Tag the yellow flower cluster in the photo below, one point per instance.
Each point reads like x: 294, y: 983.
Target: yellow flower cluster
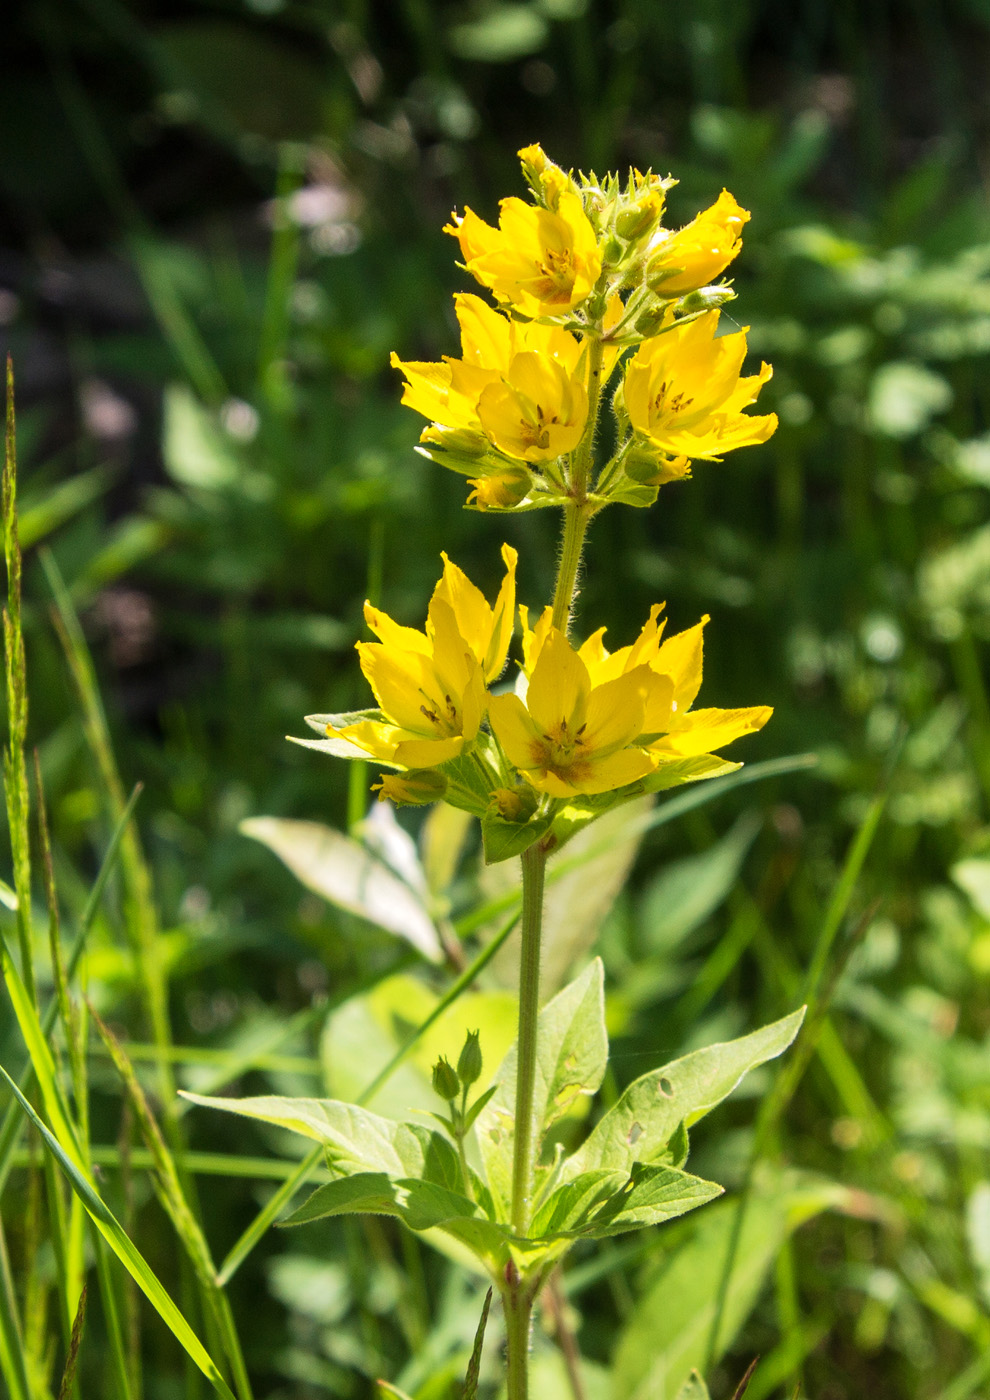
x: 586, y: 280
x: 581, y: 722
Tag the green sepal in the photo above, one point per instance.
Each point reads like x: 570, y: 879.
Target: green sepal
x: 678, y: 771
x: 339, y: 748
x: 470, y: 783
x: 633, y: 493
x: 503, y: 839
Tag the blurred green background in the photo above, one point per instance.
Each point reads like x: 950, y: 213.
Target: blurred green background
x: 216, y: 221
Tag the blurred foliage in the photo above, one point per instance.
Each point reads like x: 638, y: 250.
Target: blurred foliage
x: 216, y: 220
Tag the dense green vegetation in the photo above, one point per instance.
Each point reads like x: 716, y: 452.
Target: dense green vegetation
x: 217, y: 220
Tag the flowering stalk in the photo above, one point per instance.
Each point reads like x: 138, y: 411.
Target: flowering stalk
x: 588, y: 285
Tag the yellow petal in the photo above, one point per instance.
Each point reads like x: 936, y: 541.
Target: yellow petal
x: 515, y: 730
x: 486, y: 335
x: 393, y: 634
x: 681, y: 657
x: 472, y: 615
x: 559, y: 686
x: 427, y: 753
x: 615, y: 712
x: 503, y: 618
x: 377, y: 739
x: 617, y: 770
x: 402, y: 682
x: 704, y: 731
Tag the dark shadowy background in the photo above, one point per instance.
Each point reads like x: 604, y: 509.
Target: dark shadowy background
x: 216, y: 221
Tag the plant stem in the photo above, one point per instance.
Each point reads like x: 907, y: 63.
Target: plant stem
x: 517, y: 1302
x: 576, y: 518
x: 534, y: 864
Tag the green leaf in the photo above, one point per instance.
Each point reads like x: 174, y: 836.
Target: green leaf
x: 652, y: 1195
x: 686, y: 892
x: 504, y: 839
x: 125, y: 1250
x: 599, y: 1204
x: 651, y: 1110
x: 344, y: 872
x: 420, y: 1205
x: 688, y: 770
x: 356, y: 1139
x: 572, y: 1055
x: 668, y: 1333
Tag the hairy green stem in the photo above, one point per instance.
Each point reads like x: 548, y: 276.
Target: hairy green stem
x: 517, y: 1301
x: 534, y: 864
x: 576, y: 519
x: 583, y: 459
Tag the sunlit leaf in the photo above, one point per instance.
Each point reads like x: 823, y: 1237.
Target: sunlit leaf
x: 572, y: 1054
x: 348, y: 875
x: 650, y: 1111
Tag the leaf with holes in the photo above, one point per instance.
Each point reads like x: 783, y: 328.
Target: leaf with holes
x: 654, y: 1108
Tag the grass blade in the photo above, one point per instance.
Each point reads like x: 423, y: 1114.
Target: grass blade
x: 12, y: 1121
x: 126, y: 1251
x: 12, y: 1350
x: 75, y: 1341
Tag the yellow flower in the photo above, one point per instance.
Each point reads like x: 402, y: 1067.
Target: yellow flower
x: 699, y: 252
x: 654, y: 682
x: 542, y: 261
x: 684, y: 393
x: 517, y: 386
x: 430, y: 686
x: 571, y: 736
x: 537, y: 411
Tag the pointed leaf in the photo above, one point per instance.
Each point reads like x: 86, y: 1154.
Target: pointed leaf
x: 356, y: 1140
x: 349, y: 876
x: 422, y: 1205
x: 651, y: 1196
x: 572, y: 1054
x: 650, y: 1111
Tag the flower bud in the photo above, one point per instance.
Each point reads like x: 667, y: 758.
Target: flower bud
x: 644, y: 464
x: 499, y: 492
x: 707, y: 298
x: 534, y: 161
x: 640, y: 218
x: 469, y: 1063
x: 413, y: 789
x: 445, y: 1081
x: 515, y: 804
x: 650, y: 321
